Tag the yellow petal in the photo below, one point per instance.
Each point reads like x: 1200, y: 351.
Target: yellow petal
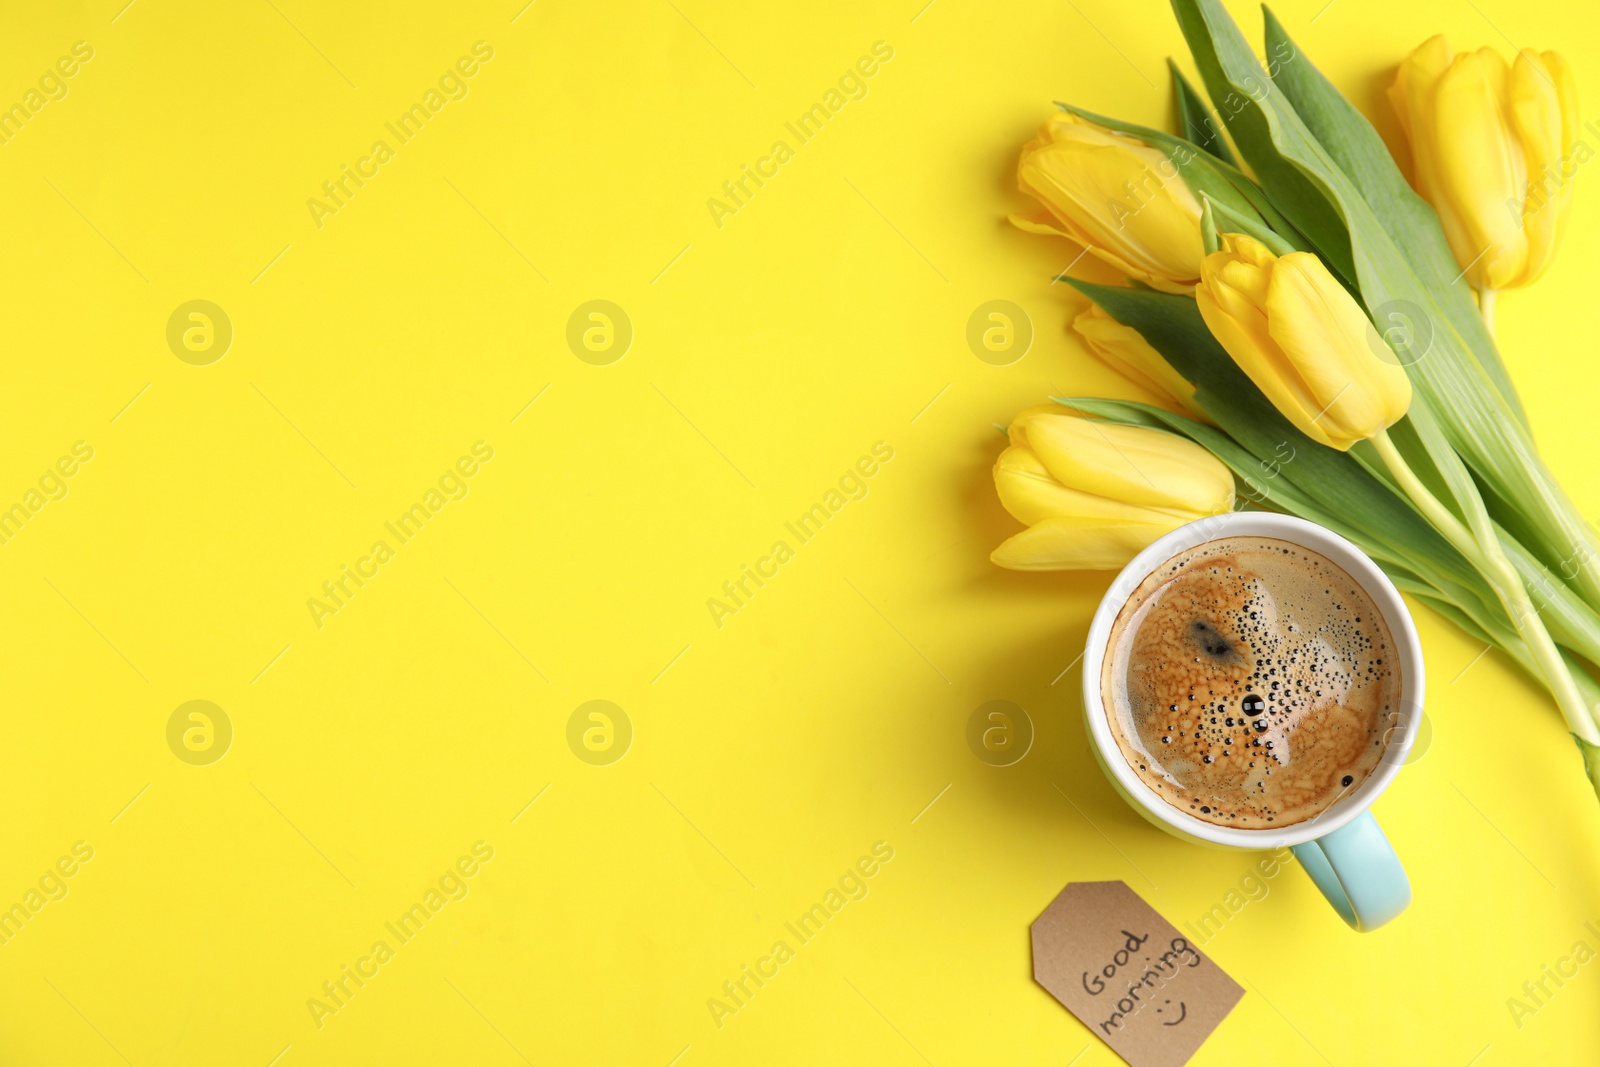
x: 1494, y: 153
x: 1556, y: 65
x: 1416, y: 79
x: 1133, y: 464
x: 1070, y: 545
x: 1017, y: 432
x: 1038, y: 222
x: 1126, y: 351
x: 1235, y: 283
x: 1419, y: 81
x: 1543, y: 104
x: 1117, y: 196
x: 1029, y: 492
x: 1247, y: 340
x: 1245, y: 264
x: 1232, y: 298
x: 1398, y: 95
x: 1340, y: 359
x: 1248, y: 249
x: 1482, y: 171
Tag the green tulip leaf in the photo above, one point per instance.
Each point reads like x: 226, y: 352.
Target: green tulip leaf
x: 1195, y: 119
x: 1241, y: 89
x: 1570, y: 621
x: 1591, y: 762
x: 1304, y: 180
x: 1356, y: 147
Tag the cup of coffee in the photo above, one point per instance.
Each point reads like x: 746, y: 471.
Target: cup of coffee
x: 1254, y: 681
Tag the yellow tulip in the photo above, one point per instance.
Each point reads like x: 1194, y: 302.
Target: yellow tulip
x: 1125, y: 351
x: 1123, y: 201
x: 1095, y: 493
x: 1494, y: 153
x: 1303, y: 340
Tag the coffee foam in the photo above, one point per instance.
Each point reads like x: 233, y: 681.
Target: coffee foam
x: 1251, y: 682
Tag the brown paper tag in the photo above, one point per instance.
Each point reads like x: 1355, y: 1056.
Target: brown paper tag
x: 1129, y: 975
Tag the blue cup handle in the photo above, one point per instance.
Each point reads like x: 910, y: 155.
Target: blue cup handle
x: 1357, y: 870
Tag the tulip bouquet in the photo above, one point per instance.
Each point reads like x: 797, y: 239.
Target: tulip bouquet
x: 1305, y: 321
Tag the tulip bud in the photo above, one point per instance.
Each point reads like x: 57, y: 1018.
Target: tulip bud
x: 1303, y: 340
x: 1494, y: 150
x: 1125, y: 351
x: 1096, y: 493
x: 1123, y: 201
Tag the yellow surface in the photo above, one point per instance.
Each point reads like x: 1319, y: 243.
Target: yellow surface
x: 769, y: 353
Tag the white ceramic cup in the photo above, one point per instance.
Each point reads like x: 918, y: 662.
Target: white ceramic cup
x: 1341, y: 848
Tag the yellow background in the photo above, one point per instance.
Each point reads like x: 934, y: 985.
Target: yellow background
x: 768, y: 354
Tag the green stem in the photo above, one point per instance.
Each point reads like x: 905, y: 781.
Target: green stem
x: 1208, y: 226
x: 1237, y: 223
x: 1572, y: 623
x: 1485, y: 554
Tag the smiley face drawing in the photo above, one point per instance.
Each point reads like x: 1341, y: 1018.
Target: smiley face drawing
x: 1183, y: 1013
